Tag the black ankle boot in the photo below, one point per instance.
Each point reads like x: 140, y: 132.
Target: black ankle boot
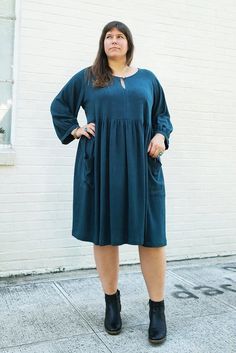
x: 112, y: 320
x: 157, y: 328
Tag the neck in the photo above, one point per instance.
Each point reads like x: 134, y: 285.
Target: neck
x: 117, y: 66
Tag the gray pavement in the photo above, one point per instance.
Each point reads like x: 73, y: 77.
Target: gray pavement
x: 64, y: 312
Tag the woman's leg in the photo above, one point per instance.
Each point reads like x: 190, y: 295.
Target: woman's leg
x: 107, y: 263
x: 153, y: 266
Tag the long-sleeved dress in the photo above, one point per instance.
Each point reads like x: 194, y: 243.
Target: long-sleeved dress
x: 118, y: 189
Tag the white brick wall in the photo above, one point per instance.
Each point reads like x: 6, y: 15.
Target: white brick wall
x: 192, y: 49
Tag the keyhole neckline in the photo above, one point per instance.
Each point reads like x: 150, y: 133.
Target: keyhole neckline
x: 125, y: 77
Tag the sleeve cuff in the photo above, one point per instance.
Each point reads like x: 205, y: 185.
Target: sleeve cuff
x: 166, y: 141
x: 67, y: 138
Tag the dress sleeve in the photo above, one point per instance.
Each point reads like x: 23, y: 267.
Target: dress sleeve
x: 65, y: 107
x: 160, y: 115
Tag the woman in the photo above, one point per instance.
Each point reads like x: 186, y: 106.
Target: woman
x: 119, y: 191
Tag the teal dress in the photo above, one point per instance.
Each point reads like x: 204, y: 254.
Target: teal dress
x: 118, y: 189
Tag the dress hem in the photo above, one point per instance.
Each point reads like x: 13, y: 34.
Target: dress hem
x: 117, y: 244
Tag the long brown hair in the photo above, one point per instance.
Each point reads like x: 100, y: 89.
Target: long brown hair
x: 100, y: 72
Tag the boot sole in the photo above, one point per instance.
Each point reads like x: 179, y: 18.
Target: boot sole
x: 113, y: 332
x: 157, y: 341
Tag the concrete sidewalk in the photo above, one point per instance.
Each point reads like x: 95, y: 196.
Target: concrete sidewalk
x: 64, y: 312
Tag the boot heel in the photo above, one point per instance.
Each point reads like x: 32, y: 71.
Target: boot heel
x: 113, y: 322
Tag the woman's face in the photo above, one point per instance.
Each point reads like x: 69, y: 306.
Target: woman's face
x: 115, y: 44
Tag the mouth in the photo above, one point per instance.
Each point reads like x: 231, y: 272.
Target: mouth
x: 114, y: 48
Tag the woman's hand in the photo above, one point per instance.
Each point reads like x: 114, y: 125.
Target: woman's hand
x: 78, y: 132
x: 156, y: 145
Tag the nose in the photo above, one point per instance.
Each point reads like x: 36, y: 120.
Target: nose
x: 114, y: 41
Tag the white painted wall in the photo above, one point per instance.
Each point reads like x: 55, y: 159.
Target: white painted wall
x: 191, y: 47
